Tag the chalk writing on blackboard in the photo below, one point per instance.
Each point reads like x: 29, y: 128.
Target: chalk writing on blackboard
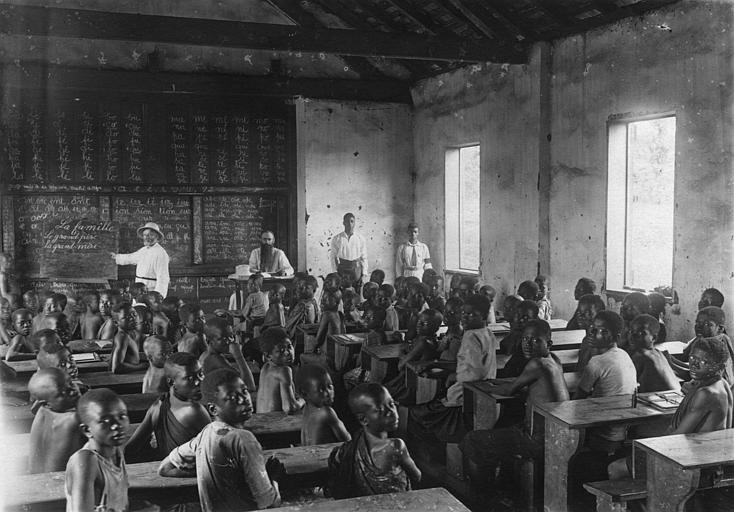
x: 178, y: 145
x: 13, y: 145
x: 201, y: 148
x: 240, y: 150
x: 87, y: 146
x: 62, y: 146
x: 36, y: 135
x: 221, y: 149
x: 134, y: 146
x: 78, y: 249
x: 111, y: 146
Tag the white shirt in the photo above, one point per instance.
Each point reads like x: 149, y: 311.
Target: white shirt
x: 151, y: 262
x: 476, y: 360
x: 279, y: 258
x: 348, y: 248
x: 404, y: 260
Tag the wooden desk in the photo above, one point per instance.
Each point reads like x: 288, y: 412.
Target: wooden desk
x: 25, y: 369
x: 341, y: 347
x: 79, y: 346
x: 427, y: 377
x: 567, y: 340
x: 424, y: 500
x: 674, y: 465
x: 48, y: 488
x: 119, y: 383
x: 565, y: 427
x: 568, y: 358
x: 675, y: 348
x: 383, y: 360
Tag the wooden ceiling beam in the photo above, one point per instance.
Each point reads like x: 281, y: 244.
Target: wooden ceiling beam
x: 506, y: 22
x: 293, y: 10
x: 64, y: 78
x: 99, y: 25
x: 473, y: 19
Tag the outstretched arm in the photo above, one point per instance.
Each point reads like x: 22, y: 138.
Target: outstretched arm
x: 236, y: 350
x: 337, y: 427
x: 288, y: 392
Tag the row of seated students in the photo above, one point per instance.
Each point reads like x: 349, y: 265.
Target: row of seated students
x: 180, y: 414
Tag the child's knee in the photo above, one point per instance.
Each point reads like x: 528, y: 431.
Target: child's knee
x: 617, y: 470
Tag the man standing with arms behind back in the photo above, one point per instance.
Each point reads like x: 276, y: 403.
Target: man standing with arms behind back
x: 348, y: 253
x: 413, y: 256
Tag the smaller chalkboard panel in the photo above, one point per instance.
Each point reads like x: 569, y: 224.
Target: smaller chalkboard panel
x: 78, y: 249
x: 68, y: 288
x: 185, y: 288
x: 214, y: 292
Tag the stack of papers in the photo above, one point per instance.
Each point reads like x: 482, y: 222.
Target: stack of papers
x: 664, y: 400
x: 86, y: 357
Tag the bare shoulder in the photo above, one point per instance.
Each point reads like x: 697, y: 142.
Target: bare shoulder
x: 282, y: 372
x: 711, y: 395
x: 398, y: 444
x: 83, y: 464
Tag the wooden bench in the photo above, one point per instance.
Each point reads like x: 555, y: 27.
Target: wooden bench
x: 427, y: 378
x: 47, y: 489
x: 613, y: 495
x: 271, y: 428
x: 424, y: 500
x: 119, y: 383
x: 25, y: 369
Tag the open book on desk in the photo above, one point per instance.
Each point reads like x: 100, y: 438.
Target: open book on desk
x: 663, y: 400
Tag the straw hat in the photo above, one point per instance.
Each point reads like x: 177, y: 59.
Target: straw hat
x: 240, y: 272
x: 153, y: 226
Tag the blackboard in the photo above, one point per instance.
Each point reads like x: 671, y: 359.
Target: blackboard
x: 68, y: 288
x: 30, y: 214
x: 232, y: 225
x: 214, y: 292
x: 171, y: 213
x: 185, y: 288
x: 78, y: 249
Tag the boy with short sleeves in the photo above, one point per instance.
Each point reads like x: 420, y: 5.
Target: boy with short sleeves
x: 227, y: 459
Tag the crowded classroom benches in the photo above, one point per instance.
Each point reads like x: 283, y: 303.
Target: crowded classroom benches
x: 123, y: 383
x: 28, y: 367
x: 47, y: 489
x: 436, y: 499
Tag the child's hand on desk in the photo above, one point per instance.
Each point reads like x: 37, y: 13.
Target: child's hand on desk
x: 275, y: 468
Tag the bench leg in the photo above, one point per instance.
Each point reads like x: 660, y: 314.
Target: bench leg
x: 454, y: 461
x: 605, y: 504
x: 527, y: 483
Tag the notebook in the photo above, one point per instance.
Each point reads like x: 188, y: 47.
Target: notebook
x: 86, y: 357
x: 663, y: 401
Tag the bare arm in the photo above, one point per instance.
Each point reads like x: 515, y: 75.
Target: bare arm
x: 407, y: 462
x: 703, y: 409
x: 142, y: 434
x: 236, y: 350
x: 36, y: 457
x: 287, y: 392
x: 337, y: 427
x: 108, y: 331
x: 81, y: 475
x: 119, y: 351
x: 530, y: 374
x: 418, y: 348
x: 15, y: 350
x: 168, y: 469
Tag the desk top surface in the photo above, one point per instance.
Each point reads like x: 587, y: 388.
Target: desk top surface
x: 29, y: 366
x: 92, y: 379
x: 356, y: 338
x: 593, y: 412
x: 46, y: 487
x: 383, y: 352
x: 424, y: 500
x: 562, y: 338
x: 691, y: 451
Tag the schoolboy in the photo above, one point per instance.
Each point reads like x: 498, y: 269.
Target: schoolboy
x: 96, y: 477
x: 454, y: 285
x: 526, y: 312
x: 137, y: 293
x: 306, y: 310
x: 587, y: 309
x: 45, y: 303
x: 711, y: 297
x: 6, y: 322
x: 468, y: 286
x: 435, y: 299
x: 331, y: 319
x: 58, y: 323
x: 369, y: 292
x: 157, y: 350
x: 54, y: 354
x: 485, y: 450
x: 611, y: 372
x: 508, y: 308
x: 528, y: 290
x: 416, y: 305
x: 384, y: 300
x: 543, y: 297
x: 125, y: 350
x: 169, y: 307
x: 73, y: 311
x: 21, y: 342
x: 657, y: 310
x: 160, y: 324
x: 256, y: 304
x: 30, y: 301
x: 192, y: 319
x: 352, y: 316
x: 489, y: 292
x: 653, y: 371
x: 633, y: 305
x: 275, y: 317
x: 320, y: 423
x: 227, y: 459
x: 91, y: 320
x: 509, y: 343
x: 450, y: 341
x: 143, y: 319
x: 55, y: 433
x: 175, y: 418
x: 374, y: 322
x: 476, y: 360
x: 372, y: 463
x: 221, y: 340
x: 377, y: 276
x: 277, y: 391
x: 108, y: 299
x: 584, y: 286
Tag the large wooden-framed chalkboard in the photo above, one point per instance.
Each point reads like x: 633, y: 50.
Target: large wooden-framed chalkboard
x: 212, y: 171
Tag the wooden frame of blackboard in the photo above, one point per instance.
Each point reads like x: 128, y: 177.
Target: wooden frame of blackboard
x: 155, y: 184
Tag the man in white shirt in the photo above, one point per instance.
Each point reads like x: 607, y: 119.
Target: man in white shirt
x: 348, y: 252
x: 151, y: 260
x: 413, y: 256
x: 267, y: 258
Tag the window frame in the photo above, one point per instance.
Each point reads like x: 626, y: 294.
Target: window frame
x: 615, y: 278
x: 453, y: 219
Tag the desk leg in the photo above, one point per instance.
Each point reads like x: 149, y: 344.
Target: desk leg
x: 561, y: 443
x: 669, y: 487
x: 486, y: 411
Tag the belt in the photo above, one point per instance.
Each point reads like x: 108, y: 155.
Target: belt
x: 146, y: 278
x: 347, y: 262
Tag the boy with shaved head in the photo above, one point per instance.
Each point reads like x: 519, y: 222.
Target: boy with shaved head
x: 220, y: 340
x: 55, y: 433
x: 177, y: 416
x: 96, y: 477
x: 21, y: 343
x: 372, y: 463
x: 156, y: 351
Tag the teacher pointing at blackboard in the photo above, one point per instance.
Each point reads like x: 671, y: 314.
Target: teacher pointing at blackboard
x: 151, y: 260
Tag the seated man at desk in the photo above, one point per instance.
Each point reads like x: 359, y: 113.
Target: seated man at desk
x: 268, y: 258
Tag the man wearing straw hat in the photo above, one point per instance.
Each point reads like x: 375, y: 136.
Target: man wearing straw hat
x: 151, y: 260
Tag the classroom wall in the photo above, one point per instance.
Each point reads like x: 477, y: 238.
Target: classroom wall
x: 354, y: 157
x: 497, y: 106
x: 674, y: 59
